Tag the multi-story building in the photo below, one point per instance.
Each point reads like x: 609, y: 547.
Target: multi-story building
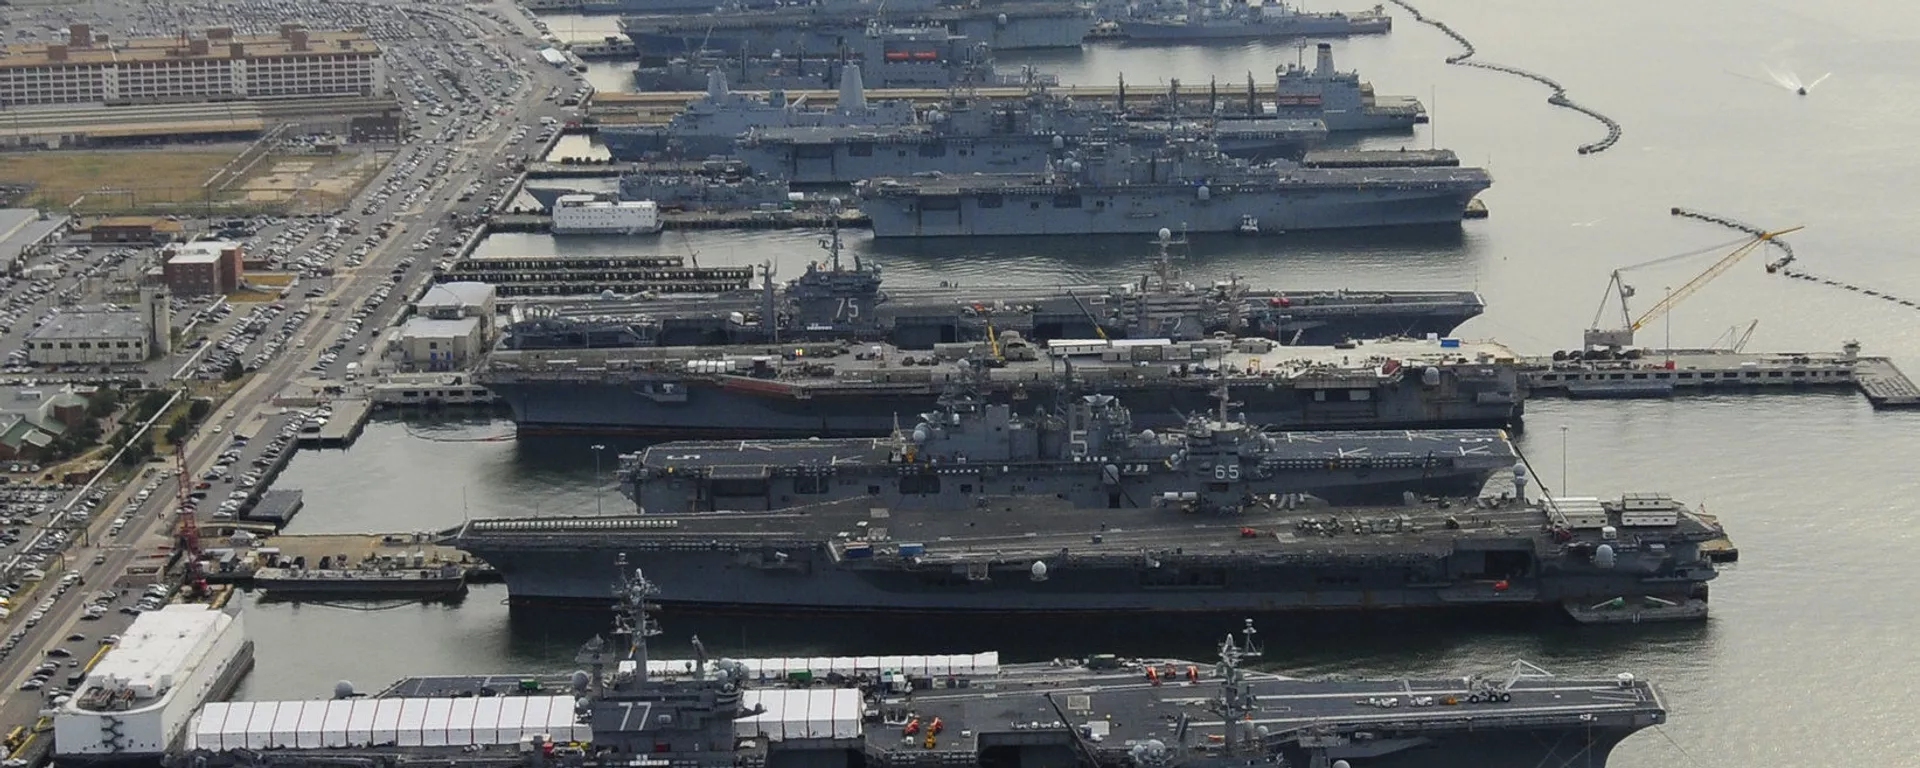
x: 215, y: 67
x: 202, y: 268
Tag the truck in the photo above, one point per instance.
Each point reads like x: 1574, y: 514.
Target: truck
x: 353, y: 371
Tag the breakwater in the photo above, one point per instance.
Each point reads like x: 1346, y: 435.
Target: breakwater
x: 1782, y: 266
x: 1558, y: 98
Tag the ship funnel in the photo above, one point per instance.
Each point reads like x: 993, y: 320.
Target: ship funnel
x: 1323, y: 64
x: 716, y: 84
x: 853, y: 92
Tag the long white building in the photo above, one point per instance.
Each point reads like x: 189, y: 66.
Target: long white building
x: 138, y: 699
x: 217, y: 66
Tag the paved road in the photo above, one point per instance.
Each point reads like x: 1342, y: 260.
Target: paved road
x: 148, y: 530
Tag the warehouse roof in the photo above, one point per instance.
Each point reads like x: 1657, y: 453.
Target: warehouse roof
x: 79, y: 324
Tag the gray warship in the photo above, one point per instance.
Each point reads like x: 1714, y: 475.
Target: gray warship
x: 964, y: 138
x: 1085, y: 453
x: 1204, y: 20
x: 1187, y: 186
x: 828, y: 27
x: 711, y: 123
x: 592, y: 378
x: 959, y: 710
x: 889, y: 57
x: 1341, y: 100
x: 1639, y: 558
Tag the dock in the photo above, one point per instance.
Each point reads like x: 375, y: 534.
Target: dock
x: 1662, y: 373
x: 276, y: 507
x: 349, y: 417
x: 428, y: 390
x: 249, y: 553
x: 1885, y: 385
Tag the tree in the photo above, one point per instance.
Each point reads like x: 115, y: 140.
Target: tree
x: 103, y: 403
x: 177, y: 434
x: 150, y: 404
x: 138, y: 451
x: 199, y: 410
x: 234, y: 370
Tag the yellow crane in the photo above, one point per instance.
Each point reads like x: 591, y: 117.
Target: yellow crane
x: 1617, y: 338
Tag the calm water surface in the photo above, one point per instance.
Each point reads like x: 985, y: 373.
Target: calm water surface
x: 1809, y: 654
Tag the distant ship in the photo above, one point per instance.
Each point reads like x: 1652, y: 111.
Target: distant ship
x: 1203, y: 20
x: 712, y: 123
x: 1009, y: 137
x: 1190, y: 186
x: 889, y: 57
x: 134, y: 705
x: 830, y: 26
x: 596, y: 215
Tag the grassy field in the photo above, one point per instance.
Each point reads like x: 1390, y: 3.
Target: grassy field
x: 140, y: 177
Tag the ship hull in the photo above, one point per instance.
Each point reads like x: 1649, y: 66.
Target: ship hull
x: 657, y: 41
x: 810, y: 583
x: 1119, y: 210
x: 1155, y: 31
x: 359, y: 587
x: 550, y: 407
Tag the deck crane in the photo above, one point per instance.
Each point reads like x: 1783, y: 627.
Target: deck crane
x: 1617, y: 338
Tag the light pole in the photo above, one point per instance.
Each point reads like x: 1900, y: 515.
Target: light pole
x: 599, y: 488
x: 1563, y: 460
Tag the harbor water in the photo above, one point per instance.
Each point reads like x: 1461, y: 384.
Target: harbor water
x: 1808, y: 652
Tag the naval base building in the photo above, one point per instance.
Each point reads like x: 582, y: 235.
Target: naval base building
x: 217, y: 66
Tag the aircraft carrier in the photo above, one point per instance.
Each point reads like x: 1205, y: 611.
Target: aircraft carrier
x: 1086, y: 452
x: 710, y: 124
x: 830, y: 389
x: 1187, y: 186
x: 960, y: 710
x: 889, y: 57
x: 1002, y: 27
x: 965, y: 139
x: 1639, y: 558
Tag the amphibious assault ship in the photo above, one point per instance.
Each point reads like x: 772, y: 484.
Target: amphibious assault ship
x: 1085, y: 453
x: 999, y: 138
x: 959, y: 710
x: 1204, y: 20
x: 710, y: 124
x: 889, y: 57
x: 1188, y: 186
x: 829, y: 27
x: 1340, y: 100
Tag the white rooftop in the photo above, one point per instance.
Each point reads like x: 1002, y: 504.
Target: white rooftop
x: 159, y: 649
x: 463, y: 294
x: 200, y: 251
x: 405, y: 722
x: 91, y: 324
x: 429, y: 328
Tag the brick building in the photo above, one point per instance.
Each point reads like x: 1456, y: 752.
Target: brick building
x: 202, y: 268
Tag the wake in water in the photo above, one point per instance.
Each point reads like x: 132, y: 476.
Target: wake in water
x: 1787, y: 80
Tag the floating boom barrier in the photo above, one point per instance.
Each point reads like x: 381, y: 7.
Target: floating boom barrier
x: 1559, y: 98
x: 1782, y: 266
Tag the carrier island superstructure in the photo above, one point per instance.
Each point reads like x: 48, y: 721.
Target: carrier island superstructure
x: 134, y: 704
x: 624, y: 707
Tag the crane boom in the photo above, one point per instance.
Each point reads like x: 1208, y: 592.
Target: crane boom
x: 1700, y: 281
x: 1616, y: 286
